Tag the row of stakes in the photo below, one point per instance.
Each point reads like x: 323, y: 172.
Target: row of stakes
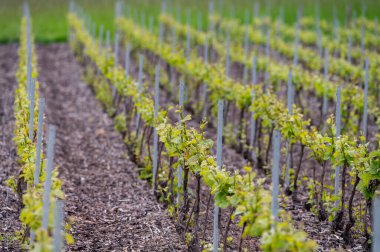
x: 279, y: 20
x: 276, y: 156
x: 277, y: 135
x: 59, y: 205
x: 245, y: 72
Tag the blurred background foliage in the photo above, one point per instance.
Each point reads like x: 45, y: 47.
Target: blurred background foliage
x: 49, y: 16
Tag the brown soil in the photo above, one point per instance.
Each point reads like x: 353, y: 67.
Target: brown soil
x: 9, y: 203
x: 111, y: 209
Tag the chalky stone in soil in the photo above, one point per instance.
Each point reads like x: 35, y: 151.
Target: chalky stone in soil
x: 9, y: 204
x: 111, y: 208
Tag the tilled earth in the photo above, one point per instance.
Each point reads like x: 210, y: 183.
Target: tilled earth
x: 110, y: 208
x: 9, y: 203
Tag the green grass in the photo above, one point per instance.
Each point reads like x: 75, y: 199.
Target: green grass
x: 49, y: 16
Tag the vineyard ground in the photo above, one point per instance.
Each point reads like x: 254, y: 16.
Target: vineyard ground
x: 9, y: 206
x: 110, y: 207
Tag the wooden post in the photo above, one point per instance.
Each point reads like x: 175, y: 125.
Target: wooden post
x: 58, y: 226
x: 204, y: 89
x: 163, y: 6
x: 288, y: 144
x: 252, y: 120
x: 211, y: 13
x: 32, y: 92
x: 319, y: 42
x: 155, y: 135
x: 337, y: 135
x: 118, y: 9
x: 49, y: 168
x: 127, y: 59
x: 29, y: 68
x: 254, y: 71
x: 139, y: 89
x: 365, y: 110
x: 252, y: 131
x: 256, y: 9
x: 180, y: 168
x: 228, y: 55
x: 275, y: 174
x: 219, y: 164
x: 172, y: 69
x: 296, y: 42
x: 376, y: 223
x: 324, y: 102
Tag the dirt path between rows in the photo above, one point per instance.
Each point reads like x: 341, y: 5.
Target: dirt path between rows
x: 9, y: 206
x: 111, y: 209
